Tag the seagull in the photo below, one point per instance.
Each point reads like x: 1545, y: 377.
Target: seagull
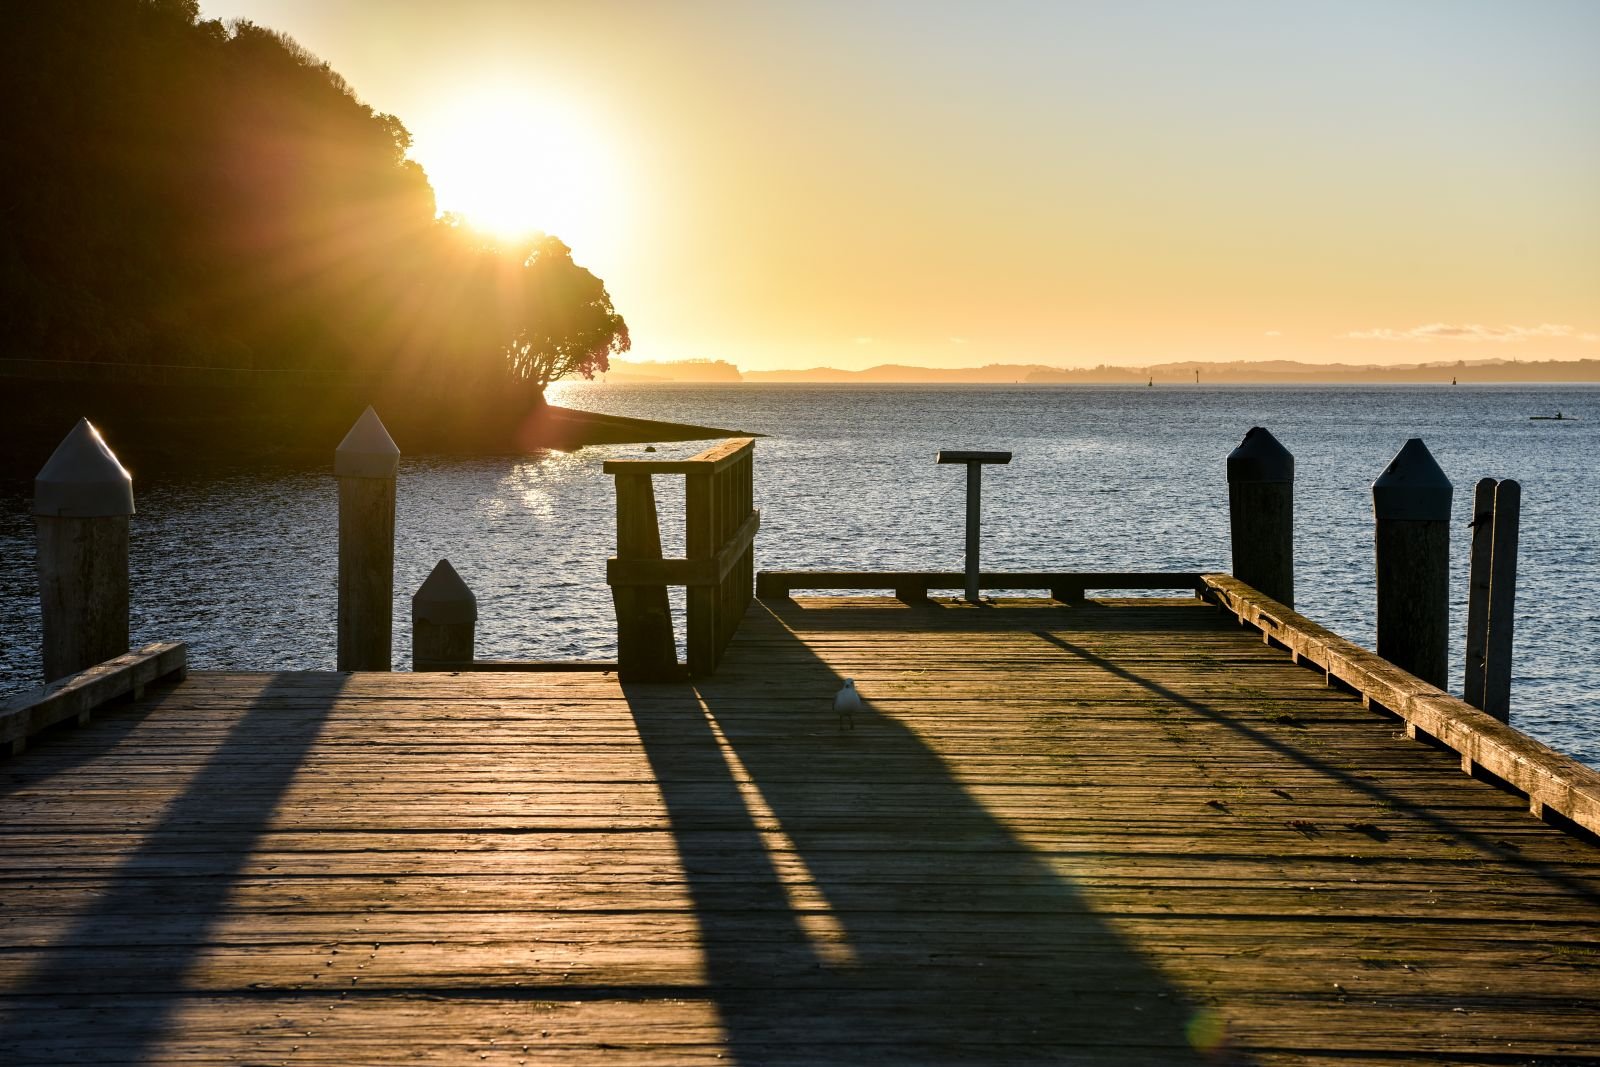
x: 847, y: 702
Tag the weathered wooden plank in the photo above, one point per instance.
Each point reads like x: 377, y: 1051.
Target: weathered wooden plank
x: 1154, y: 818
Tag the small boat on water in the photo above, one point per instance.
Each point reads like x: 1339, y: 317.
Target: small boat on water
x: 1557, y: 417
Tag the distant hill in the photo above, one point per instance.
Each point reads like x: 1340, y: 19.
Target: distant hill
x: 687, y: 370
x: 1242, y: 372
x: 1289, y: 372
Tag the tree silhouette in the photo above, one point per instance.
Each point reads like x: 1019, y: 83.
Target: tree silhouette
x: 178, y: 191
x: 566, y: 324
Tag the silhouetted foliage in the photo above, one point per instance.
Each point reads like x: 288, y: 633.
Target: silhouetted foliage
x: 567, y: 323
x: 177, y: 191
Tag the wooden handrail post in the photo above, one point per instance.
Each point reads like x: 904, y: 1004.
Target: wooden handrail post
x: 646, y: 650
x: 1411, y: 509
x: 1478, y: 590
x: 444, y: 618
x: 700, y: 542
x: 1502, y: 600
x: 82, y: 498
x: 366, y: 463
x: 1261, y: 514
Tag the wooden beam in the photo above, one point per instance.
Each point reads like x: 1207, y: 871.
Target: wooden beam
x: 712, y: 459
x: 78, y: 695
x: 1552, y: 781
x: 680, y: 571
x: 532, y: 666
x: 770, y: 584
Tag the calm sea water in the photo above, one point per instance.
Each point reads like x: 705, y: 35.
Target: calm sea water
x: 240, y: 563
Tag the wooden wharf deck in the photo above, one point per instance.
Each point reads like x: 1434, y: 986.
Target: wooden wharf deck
x: 1116, y: 832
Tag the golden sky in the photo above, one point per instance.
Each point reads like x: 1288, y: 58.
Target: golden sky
x: 1069, y: 183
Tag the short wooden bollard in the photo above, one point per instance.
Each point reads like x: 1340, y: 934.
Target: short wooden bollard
x: 1261, y: 514
x: 366, y: 463
x: 1411, y: 508
x: 444, y: 618
x: 82, y: 498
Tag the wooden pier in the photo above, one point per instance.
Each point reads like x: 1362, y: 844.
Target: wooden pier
x: 1197, y: 829
x: 1118, y: 832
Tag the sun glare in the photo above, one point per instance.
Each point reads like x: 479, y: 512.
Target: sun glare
x: 512, y: 164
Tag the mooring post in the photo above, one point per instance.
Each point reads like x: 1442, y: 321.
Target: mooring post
x: 366, y: 463
x: 1502, y: 600
x: 974, y: 462
x: 444, y: 618
x: 1261, y: 514
x: 1478, y: 590
x: 82, y: 498
x: 1411, y: 508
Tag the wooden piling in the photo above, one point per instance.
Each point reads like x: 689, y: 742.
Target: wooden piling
x: 1502, y: 600
x: 1411, y: 508
x: 1261, y: 514
x: 444, y: 619
x: 81, y: 503
x: 1478, y: 590
x: 366, y: 463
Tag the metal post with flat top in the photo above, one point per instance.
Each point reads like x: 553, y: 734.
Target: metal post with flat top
x: 974, y: 462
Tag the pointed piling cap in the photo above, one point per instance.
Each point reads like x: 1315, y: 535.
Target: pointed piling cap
x: 444, y: 598
x: 367, y: 451
x: 1412, y: 487
x: 1260, y: 458
x: 82, y: 479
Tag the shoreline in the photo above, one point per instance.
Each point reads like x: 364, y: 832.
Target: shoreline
x: 155, y: 429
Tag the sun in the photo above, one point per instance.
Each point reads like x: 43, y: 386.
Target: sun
x: 512, y: 163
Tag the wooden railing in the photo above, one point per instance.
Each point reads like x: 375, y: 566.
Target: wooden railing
x: 1557, y: 786
x: 718, y: 567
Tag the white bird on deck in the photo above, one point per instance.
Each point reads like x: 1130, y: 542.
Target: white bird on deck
x: 847, y: 702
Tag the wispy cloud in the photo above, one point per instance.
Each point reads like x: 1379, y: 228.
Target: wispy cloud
x: 864, y: 340
x: 1470, y: 331
x: 1273, y: 333
x: 958, y: 340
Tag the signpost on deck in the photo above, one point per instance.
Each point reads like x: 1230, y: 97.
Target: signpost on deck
x: 974, y: 462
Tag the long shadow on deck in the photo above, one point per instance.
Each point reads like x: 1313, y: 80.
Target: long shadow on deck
x: 159, y: 909
x: 1271, y: 746
x: 879, y: 913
